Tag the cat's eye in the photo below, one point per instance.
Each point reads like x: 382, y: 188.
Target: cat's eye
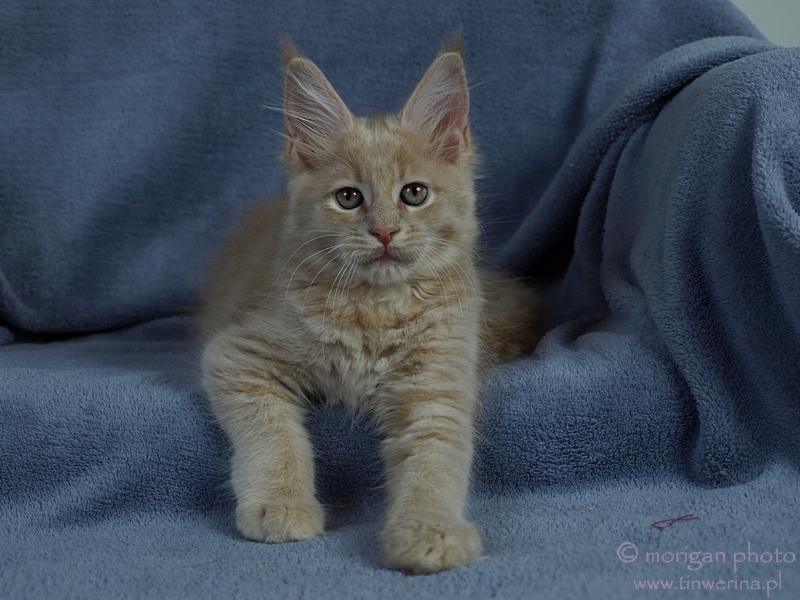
x: 414, y: 194
x: 349, y: 198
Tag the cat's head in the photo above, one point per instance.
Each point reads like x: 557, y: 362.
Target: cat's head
x: 392, y: 196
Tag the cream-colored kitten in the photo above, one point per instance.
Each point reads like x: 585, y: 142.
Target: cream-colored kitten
x: 362, y: 287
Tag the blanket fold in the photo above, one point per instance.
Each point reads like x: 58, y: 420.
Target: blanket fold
x: 712, y: 252
x: 679, y: 272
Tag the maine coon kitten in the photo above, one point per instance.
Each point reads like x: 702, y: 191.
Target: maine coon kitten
x: 362, y: 287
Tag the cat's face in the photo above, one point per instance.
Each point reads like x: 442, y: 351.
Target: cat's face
x: 384, y: 199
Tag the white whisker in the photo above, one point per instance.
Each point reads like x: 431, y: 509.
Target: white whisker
x: 432, y: 268
x: 300, y: 247
x: 325, y: 252
x: 349, y: 278
x: 333, y: 290
x: 311, y: 284
x: 467, y: 250
x: 460, y: 271
x: 472, y: 284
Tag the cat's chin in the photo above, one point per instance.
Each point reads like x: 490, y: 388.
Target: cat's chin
x: 386, y: 269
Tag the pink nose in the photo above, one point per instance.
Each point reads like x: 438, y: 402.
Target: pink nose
x: 384, y: 234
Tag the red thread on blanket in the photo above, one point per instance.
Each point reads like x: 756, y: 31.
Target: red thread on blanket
x: 670, y: 522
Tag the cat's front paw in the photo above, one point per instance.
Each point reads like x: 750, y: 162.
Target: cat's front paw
x: 277, y: 521
x: 421, y: 547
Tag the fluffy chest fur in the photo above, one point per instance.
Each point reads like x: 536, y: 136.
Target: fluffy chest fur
x: 350, y: 344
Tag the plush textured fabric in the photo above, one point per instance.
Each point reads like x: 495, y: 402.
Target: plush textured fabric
x: 642, y: 162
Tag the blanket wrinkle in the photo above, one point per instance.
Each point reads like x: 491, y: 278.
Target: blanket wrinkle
x: 636, y: 103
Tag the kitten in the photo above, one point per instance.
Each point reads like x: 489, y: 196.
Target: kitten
x: 362, y: 287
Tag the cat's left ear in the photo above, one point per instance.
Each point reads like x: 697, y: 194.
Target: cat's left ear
x: 439, y: 106
x: 315, y: 114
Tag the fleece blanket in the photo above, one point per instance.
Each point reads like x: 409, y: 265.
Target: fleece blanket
x: 641, y: 164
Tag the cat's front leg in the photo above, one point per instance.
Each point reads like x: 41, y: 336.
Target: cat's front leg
x: 428, y: 452
x: 272, y: 469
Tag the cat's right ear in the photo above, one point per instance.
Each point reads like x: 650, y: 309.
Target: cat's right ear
x: 315, y: 114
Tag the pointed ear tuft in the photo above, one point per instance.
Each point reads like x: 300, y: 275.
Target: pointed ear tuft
x: 439, y: 106
x: 315, y: 114
x: 289, y: 51
x: 454, y: 44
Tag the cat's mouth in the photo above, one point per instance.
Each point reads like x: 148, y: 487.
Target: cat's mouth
x: 388, y: 257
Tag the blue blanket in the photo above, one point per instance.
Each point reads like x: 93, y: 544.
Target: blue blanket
x: 642, y: 164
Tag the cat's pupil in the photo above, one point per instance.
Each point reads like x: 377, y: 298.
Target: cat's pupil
x: 414, y: 194
x: 349, y: 198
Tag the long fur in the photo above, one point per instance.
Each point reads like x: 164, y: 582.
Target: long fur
x: 311, y: 298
